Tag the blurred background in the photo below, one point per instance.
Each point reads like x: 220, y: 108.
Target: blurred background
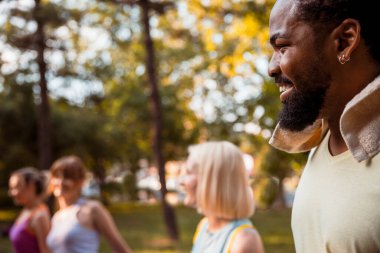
x: 128, y: 85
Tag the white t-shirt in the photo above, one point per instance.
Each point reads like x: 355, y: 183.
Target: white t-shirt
x: 337, y: 204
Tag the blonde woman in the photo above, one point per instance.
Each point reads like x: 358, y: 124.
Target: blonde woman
x: 216, y: 183
x: 28, y: 233
x: 77, y: 224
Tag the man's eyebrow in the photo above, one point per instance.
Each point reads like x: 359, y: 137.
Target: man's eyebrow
x: 273, y: 38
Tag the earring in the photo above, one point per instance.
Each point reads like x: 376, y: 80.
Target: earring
x: 343, y: 59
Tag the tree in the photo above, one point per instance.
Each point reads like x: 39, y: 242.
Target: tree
x: 156, y: 109
x: 232, y: 83
x: 157, y: 116
x: 279, y: 164
x: 44, y: 126
x: 205, y: 60
x: 18, y: 130
x: 232, y: 39
x: 28, y: 29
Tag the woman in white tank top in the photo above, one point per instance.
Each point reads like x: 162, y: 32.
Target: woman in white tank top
x: 78, y: 222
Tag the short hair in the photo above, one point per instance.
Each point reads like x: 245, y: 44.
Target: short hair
x: 31, y: 175
x: 330, y: 13
x: 223, y: 187
x: 70, y: 167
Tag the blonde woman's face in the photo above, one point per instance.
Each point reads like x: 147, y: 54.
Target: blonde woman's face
x: 189, y: 184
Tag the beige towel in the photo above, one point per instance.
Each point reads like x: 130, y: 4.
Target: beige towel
x: 359, y: 124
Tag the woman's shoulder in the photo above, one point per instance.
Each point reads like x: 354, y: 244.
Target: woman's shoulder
x: 247, y: 240
x: 200, y: 227
x: 203, y: 221
x: 40, y: 218
x: 94, y: 208
x: 40, y: 212
x: 93, y: 205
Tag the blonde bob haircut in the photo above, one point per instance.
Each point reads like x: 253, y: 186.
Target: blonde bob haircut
x: 223, y: 189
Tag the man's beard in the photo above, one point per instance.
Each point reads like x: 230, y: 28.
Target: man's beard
x: 302, y: 107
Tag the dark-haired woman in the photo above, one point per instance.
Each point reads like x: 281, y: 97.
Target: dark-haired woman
x: 28, y: 233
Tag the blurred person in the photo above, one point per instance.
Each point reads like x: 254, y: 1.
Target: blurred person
x: 28, y: 233
x: 326, y: 63
x: 216, y: 183
x: 77, y: 224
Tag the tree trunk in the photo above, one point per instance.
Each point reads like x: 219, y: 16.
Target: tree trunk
x: 280, y: 202
x: 44, y: 124
x: 100, y: 175
x: 156, y: 111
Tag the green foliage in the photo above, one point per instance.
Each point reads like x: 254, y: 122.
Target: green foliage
x: 130, y: 186
x: 17, y: 130
x: 80, y: 130
x: 280, y: 164
x: 265, y: 191
x: 112, y: 188
x: 211, y: 84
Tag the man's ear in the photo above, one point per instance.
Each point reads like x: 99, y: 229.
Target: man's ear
x: 347, y: 38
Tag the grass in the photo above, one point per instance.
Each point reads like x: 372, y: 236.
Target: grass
x: 143, y: 229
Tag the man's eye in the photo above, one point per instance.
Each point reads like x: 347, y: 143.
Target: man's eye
x: 282, y: 49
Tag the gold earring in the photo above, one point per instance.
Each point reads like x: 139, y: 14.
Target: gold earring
x: 343, y: 59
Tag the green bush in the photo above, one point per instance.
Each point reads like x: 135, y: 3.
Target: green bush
x: 265, y: 191
x: 129, y: 184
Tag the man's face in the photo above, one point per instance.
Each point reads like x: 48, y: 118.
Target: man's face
x: 298, y: 67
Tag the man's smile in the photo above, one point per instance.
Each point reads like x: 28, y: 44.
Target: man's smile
x: 285, y: 90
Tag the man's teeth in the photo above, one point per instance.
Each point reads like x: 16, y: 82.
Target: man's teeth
x: 284, y: 88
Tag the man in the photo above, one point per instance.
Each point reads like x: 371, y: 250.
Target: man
x: 326, y: 63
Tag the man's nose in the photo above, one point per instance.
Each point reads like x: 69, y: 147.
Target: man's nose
x: 274, y: 66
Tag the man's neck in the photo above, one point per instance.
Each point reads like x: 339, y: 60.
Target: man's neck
x: 337, y: 145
